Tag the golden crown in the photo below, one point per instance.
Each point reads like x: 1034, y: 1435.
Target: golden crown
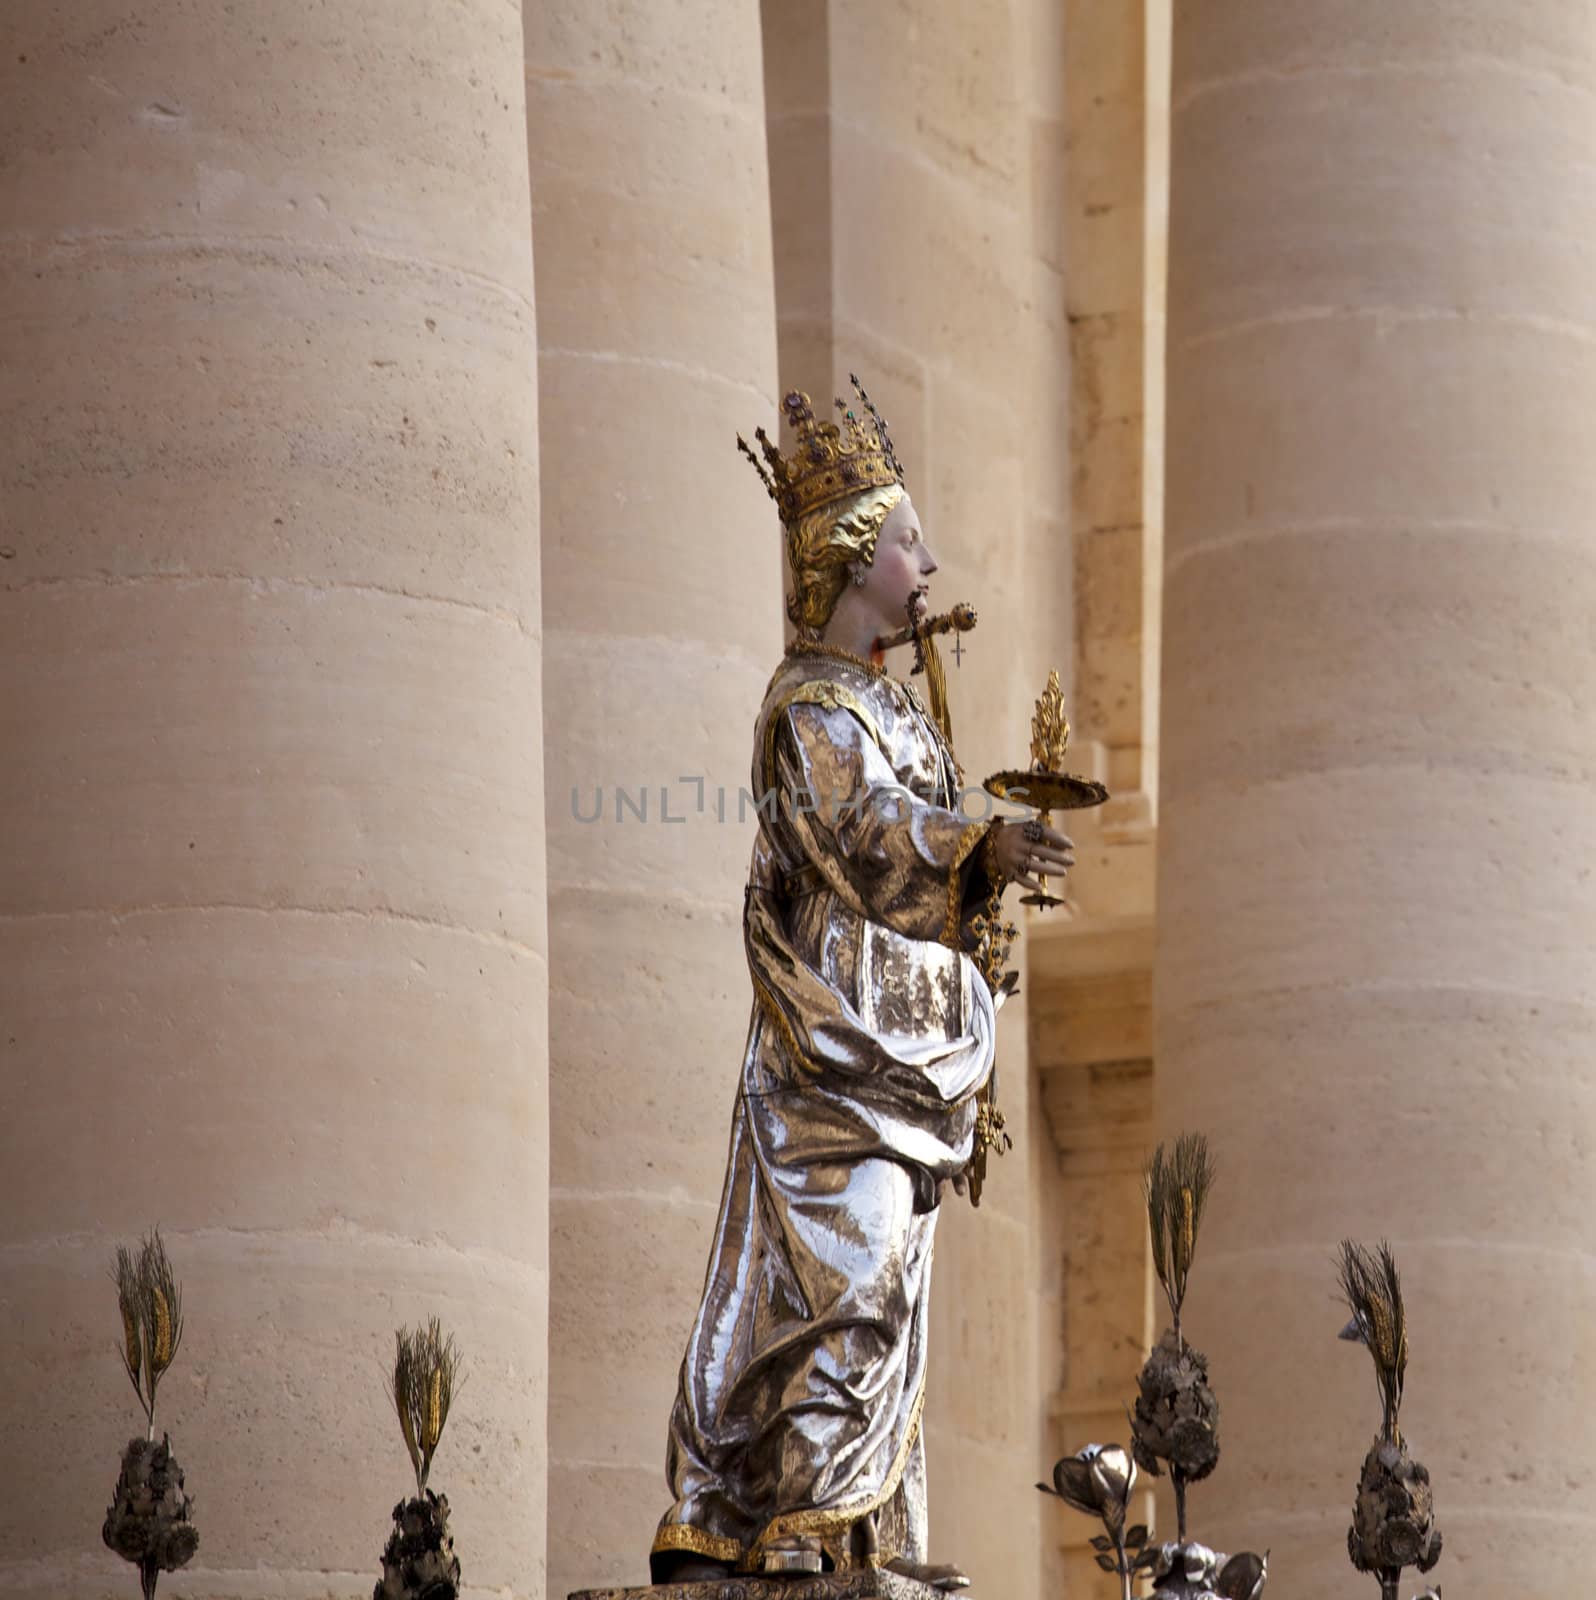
x: 828, y: 460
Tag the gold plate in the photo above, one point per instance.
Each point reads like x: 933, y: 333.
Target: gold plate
x: 1047, y: 791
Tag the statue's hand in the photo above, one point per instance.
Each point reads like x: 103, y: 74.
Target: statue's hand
x: 1027, y: 850
x: 945, y: 1578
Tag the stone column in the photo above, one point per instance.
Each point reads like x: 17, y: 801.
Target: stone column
x: 271, y: 895
x: 662, y: 577
x: 1104, y: 247
x: 1374, y: 980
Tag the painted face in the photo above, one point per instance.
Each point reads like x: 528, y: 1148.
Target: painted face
x: 902, y: 567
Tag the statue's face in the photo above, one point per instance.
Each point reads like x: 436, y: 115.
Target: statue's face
x: 902, y: 567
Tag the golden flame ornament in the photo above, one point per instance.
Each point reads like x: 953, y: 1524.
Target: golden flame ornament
x: 1050, y: 728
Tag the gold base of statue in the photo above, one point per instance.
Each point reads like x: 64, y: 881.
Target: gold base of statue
x: 868, y: 1584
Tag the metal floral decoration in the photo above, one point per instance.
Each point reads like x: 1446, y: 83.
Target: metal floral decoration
x: 147, y: 1522
x: 1176, y: 1420
x: 419, y: 1562
x: 1099, y: 1481
x: 1393, y: 1520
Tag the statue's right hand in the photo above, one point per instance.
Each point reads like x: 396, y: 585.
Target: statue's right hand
x: 1028, y: 850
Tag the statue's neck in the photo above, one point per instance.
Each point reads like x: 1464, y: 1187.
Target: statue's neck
x: 851, y: 627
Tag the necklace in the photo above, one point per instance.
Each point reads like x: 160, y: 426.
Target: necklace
x: 804, y: 647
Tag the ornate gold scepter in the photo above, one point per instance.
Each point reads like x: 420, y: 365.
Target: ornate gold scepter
x: 959, y: 620
x: 994, y: 935
x: 922, y: 635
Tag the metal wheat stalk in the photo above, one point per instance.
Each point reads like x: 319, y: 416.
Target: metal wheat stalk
x: 419, y: 1562
x: 1393, y: 1520
x: 147, y: 1522
x: 1177, y: 1418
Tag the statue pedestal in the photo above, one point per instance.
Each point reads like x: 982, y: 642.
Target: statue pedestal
x: 867, y: 1585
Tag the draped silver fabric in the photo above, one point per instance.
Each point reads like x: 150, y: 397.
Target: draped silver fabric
x: 798, y: 1410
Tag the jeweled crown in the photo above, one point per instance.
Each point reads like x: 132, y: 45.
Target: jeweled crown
x: 829, y: 460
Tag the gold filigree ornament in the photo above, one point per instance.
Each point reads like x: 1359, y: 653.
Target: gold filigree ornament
x: 994, y: 936
x: 991, y: 1133
x: 1044, y: 785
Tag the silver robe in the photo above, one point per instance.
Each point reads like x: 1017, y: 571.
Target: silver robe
x: 871, y: 1036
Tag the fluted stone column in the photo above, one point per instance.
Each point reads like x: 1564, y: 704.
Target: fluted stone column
x: 272, y: 965
x: 662, y: 591
x: 1376, y: 915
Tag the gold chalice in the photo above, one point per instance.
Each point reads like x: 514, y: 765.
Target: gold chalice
x: 1044, y: 784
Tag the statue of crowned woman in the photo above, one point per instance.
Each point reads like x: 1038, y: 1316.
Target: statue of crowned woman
x: 795, y: 1441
